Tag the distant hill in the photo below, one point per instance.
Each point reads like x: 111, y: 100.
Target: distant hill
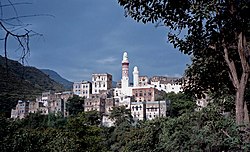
x: 22, y: 82
x: 55, y: 76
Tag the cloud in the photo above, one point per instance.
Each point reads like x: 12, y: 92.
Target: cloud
x: 173, y: 75
x: 108, y: 60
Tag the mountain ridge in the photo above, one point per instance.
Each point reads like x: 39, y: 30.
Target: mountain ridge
x: 58, y: 78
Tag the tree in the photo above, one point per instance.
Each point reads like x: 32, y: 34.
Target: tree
x: 75, y: 105
x: 205, y: 130
x: 121, y: 115
x: 123, y: 125
x: 207, y: 30
x: 180, y: 104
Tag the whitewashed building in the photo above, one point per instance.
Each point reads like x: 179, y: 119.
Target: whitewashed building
x: 101, y: 82
x: 82, y: 89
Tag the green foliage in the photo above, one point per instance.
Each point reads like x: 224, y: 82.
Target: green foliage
x: 206, y: 130
x: 145, y: 137
x: 75, y: 105
x: 53, y: 133
x: 180, y: 103
x: 87, y: 133
x: 121, y: 115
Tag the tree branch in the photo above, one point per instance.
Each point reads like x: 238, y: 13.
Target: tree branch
x: 231, y: 65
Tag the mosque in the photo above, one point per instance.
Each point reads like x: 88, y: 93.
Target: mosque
x: 144, y: 97
x: 143, y: 82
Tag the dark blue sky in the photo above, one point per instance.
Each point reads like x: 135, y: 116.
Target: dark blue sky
x: 89, y: 36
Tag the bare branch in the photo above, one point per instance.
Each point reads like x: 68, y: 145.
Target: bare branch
x: 25, y: 16
x: 14, y: 4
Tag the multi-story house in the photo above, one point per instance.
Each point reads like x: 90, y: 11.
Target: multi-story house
x: 101, y: 82
x: 143, y: 80
x: 38, y: 106
x: 49, y: 102
x: 82, y: 89
x: 167, y: 84
x: 95, y: 102
x: 156, y: 109
x: 21, y: 110
x: 148, y: 110
x: 58, y: 104
x: 146, y: 94
x: 138, y: 110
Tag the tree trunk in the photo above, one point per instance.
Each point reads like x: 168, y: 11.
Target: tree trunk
x: 242, y: 117
x: 239, y: 82
x: 239, y: 105
x: 246, y: 116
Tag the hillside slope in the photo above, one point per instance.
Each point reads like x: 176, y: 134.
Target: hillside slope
x: 55, y: 76
x: 21, y: 82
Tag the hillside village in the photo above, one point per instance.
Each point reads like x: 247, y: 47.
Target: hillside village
x: 144, y: 97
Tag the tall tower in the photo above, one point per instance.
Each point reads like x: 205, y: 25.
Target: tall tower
x: 125, y: 74
x: 136, y: 76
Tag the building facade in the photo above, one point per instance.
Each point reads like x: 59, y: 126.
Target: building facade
x: 49, y: 102
x: 167, y: 84
x: 82, y: 89
x: 21, y: 110
x: 146, y: 94
x: 101, y: 82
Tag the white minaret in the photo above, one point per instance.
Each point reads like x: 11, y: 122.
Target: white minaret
x: 125, y: 74
x: 136, y: 76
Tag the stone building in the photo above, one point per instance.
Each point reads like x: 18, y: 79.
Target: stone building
x: 21, y: 110
x: 82, y: 89
x: 38, y: 106
x: 58, y: 104
x: 156, y: 109
x: 146, y: 94
x: 49, y: 102
x: 167, y: 84
x: 143, y: 81
x: 95, y: 102
x: 148, y: 110
x: 101, y: 82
